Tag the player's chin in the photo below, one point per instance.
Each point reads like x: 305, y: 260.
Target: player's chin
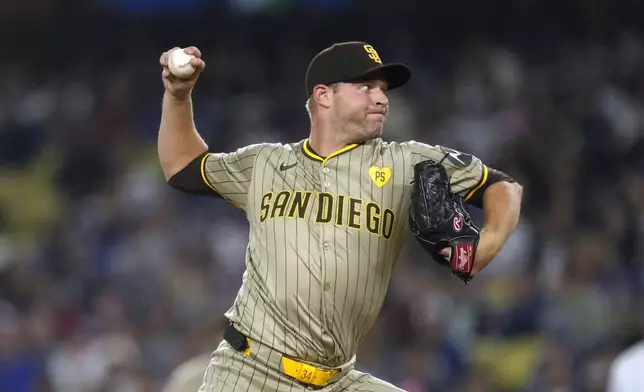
x: 375, y: 129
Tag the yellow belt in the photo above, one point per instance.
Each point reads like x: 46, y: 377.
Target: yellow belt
x: 308, y: 374
x: 303, y: 372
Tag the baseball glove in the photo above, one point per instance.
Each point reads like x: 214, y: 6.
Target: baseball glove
x: 439, y: 219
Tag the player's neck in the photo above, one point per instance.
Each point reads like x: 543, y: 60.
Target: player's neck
x: 326, y: 143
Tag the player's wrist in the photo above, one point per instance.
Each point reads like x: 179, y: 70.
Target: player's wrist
x: 490, y: 243
x: 177, y: 97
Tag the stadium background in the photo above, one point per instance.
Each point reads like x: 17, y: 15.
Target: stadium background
x: 109, y: 279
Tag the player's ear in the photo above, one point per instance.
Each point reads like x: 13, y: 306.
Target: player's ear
x: 322, y: 95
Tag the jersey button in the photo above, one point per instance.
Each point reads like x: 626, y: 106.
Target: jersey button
x: 327, y: 184
x: 325, y: 170
x: 327, y: 286
x: 326, y: 246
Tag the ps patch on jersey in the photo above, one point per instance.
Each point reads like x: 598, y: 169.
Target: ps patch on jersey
x: 379, y: 175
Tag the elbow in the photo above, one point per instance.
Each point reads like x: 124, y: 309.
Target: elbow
x: 170, y: 170
x: 171, y: 167
x: 511, y: 186
x: 514, y: 192
x: 508, y: 193
x: 517, y: 189
x: 191, y: 178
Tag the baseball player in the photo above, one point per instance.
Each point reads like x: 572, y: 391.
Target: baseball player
x: 327, y: 221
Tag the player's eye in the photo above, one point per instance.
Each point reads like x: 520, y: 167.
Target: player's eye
x: 365, y: 87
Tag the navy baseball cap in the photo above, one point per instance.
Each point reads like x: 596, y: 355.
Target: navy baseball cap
x: 353, y: 61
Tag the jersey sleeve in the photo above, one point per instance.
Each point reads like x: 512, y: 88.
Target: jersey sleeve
x: 230, y: 174
x: 467, y: 173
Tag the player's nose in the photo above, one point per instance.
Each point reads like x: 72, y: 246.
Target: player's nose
x: 380, y: 98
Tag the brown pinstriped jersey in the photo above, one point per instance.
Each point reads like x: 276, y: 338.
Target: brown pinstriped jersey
x: 324, y: 236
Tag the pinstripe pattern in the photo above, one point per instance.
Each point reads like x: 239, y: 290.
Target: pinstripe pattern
x: 324, y: 236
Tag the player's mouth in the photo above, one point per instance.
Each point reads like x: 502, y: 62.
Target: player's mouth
x: 378, y: 116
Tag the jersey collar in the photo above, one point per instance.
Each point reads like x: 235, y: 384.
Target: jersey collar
x: 308, y: 151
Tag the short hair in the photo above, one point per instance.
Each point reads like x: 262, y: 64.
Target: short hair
x: 307, y: 106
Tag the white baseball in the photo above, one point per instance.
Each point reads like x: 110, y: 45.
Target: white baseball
x: 179, y: 64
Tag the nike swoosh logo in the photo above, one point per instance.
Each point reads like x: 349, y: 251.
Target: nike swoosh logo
x: 285, y: 167
x: 456, y: 156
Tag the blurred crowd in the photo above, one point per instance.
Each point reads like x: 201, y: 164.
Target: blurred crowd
x: 109, y: 278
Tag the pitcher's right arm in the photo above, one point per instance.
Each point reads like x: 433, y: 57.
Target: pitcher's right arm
x: 185, y: 159
x: 179, y: 142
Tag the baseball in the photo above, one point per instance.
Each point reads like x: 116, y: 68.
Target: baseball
x: 179, y: 64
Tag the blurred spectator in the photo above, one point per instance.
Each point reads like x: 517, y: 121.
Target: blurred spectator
x: 21, y: 369
x: 624, y: 372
